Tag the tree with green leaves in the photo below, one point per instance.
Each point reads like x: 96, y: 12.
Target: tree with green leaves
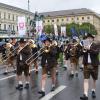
x: 49, y: 29
x: 85, y: 27
x: 88, y: 28
x: 71, y: 25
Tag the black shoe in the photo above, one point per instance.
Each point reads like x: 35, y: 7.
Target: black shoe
x: 36, y: 72
x: 5, y: 73
x: 65, y: 68
x: 76, y: 74
x: 27, y: 86
x: 57, y: 73
x: 14, y: 71
x: 81, y: 68
x: 19, y: 87
x: 42, y: 93
x: 84, y: 97
x: 71, y: 75
x: 93, y: 94
x: 53, y: 88
x: 29, y: 73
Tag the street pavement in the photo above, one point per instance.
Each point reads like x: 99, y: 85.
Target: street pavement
x: 66, y: 89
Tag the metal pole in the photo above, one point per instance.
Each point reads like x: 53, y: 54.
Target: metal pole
x: 28, y: 5
x: 28, y: 18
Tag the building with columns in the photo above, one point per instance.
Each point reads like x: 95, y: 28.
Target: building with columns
x: 9, y: 18
x: 78, y: 16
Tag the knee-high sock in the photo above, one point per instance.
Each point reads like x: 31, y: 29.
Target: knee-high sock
x: 86, y: 86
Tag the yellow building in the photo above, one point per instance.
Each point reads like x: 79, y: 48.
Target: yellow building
x: 78, y: 16
x: 9, y: 16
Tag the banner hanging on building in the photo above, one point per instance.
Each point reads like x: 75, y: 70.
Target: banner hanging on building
x: 55, y: 30
x: 63, y: 31
x: 39, y: 27
x: 21, y: 26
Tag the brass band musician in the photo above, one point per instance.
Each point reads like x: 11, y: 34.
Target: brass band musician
x: 34, y: 48
x: 24, y: 53
x: 9, y: 60
x: 90, y: 62
x: 48, y: 62
x: 74, y: 53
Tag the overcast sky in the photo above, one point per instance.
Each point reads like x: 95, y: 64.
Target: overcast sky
x: 51, y: 5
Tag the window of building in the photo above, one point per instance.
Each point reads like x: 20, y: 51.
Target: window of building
x: 9, y: 16
x: 72, y: 18
x: 48, y: 20
x: 13, y: 27
x: 17, y: 28
x: 77, y: 18
x: 52, y: 20
x: 48, y: 15
x: 0, y: 14
x: 44, y: 21
x: 67, y: 19
x: 57, y: 20
x: 82, y: 18
x: 27, y: 19
x: 88, y: 17
x: 4, y: 26
x: 10, y: 27
x: 0, y: 26
x: 4, y: 15
x: 13, y: 17
x: 16, y: 17
x: 62, y: 19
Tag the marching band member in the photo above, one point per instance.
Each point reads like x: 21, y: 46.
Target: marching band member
x: 66, y: 53
x: 48, y: 62
x: 24, y: 53
x: 55, y: 44
x: 35, y: 53
x: 74, y: 51
x: 91, y: 62
x: 9, y: 57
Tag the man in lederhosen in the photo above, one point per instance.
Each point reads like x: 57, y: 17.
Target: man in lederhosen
x: 48, y: 62
x: 24, y: 53
x: 9, y: 57
x: 74, y: 57
x: 90, y: 62
x: 34, y: 54
x: 67, y: 55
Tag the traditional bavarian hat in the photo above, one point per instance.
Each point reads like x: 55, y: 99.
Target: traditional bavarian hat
x: 89, y: 35
x: 22, y: 40
x: 32, y: 41
x: 47, y: 39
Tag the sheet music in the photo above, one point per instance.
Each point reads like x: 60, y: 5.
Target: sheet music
x: 86, y: 43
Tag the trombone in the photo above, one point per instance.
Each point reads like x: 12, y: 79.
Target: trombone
x: 11, y: 53
x: 23, y: 47
x: 42, y: 50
